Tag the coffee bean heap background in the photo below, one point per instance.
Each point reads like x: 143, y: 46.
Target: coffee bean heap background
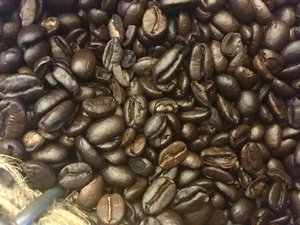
x: 182, y: 112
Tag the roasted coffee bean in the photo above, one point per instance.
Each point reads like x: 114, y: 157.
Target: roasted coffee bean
x: 290, y: 53
x: 273, y: 136
x: 83, y: 64
x: 227, y: 110
x: 56, y: 118
x: 23, y: 86
x: 51, y: 153
x: 116, y: 28
x: 39, y: 174
x: 172, y: 155
x: 113, y: 54
x: 154, y: 23
x: 201, y: 62
x: 189, y: 199
x: 167, y: 65
x: 11, y: 60
x: 12, y: 148
x: 220, y: 157
x: 33, y: 140
x: 239, y: 136
x: 13, y: 118
x: 158, y: 195
x: 30, y: 35
x: 99, y: 107
x: 111, y: 209
x: 105, y: 129
x: 89, y: 195
x: 293, y: 112
x: 135, y: 111
x: 30, y: 11
x: 218, y: 174
x: 136, y: 190
x: 276, y: 35
x: 141, y: 166
x: 278, y: 197
x: 137, y: 147
x: 75, y: 175
x: 88, y: 153
x: 242, y: 211
x: 119, y: 176
x: 116, y: 156
x: 251, y: 158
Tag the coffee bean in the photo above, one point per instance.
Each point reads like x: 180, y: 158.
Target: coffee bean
x: 278, y: 197
x: 90, y: 194
x: 242, y: 211
x: 154, y: 23
x: 172, y: 155
x: 220, y: 157
x: 75, y: 175
x: 120, y: 176
x: 251, y: 157
x: 83, y: 64
x: 12, y: 148
x: 276, y: 35
x: 99, y: 107
x: 39, y: 174
x: 51, y: 153
x: 158, y: 195
x: 105, y: 129
x: 201, y: 62
x: 111, y: 209
x: 113, y: 54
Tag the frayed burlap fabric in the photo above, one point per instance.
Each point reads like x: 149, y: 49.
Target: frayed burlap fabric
x: 17, y: 195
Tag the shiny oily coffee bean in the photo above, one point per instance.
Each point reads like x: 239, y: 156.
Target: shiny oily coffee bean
x: 239, y: 136
x: 88, y: 153
x: 247, y: 103
x: 150, y: 221
x: 141, y: 166
x: 90, y: 194
x: 111, y: 209
x: 23, y: 86
x: 218, y: 174
x: 32, y: 140
x: 273, y: 136
x: 227, y: 110
x: 168, y: 64
x: 224, y: 158
x: 100, y: 106
x: 105, y: 129
x: 201, y: 62
x: 172, y: 155
x: 154, y: 23
x: 78, y: 125
x: 12, y: 147
x: 136, y: 190
x: 75, y: 175
x: 119, y: 176
x: 137, y: 147
x: 189, y: 199
x: 163, y: 105
x: 251, y: 158
x: 135, y: 110
x: 51, y: 153
x: 57, y: 117
x: 83, y: 64
x: 278, y: 197
x: 158, y: 195
x: 241, y: 211
x: 113, y: 54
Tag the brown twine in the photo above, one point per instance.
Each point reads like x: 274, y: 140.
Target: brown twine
x: 17, y: 196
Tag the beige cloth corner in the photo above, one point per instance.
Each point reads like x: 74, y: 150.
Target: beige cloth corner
x: 14, y: 198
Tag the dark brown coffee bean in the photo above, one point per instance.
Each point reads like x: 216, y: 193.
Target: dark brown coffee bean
x: 201, y: 62
x: 12, y: 148
x: 119, y: 176
x: 189, y: 199
x: 39, y: 174
x: 23, y: 86
x: 57, y: 117
x: 227, y: 110
x: 75, y: 175
x: 242, y: 211
x: 167, y: 65
x: 135, y: 111
x: 175, y: 5
x: 273, y: 136
x: 116, y: 156
x: 239, y: 136
x: 99, y: 107
x: 158, y: 195
x: 229, y: 191
x: 30, y: 35
x: 290, y: 52
x: 293, y: 112
x: 13, y: 118
x: 111, y: 209
x: 262, y: 12
x: 88, y: 153
x: 51, y: 153
x: 243, y: 10
x: 251, y: 158
x: 33, y: 140
x: 113, y: 54
x: 137, y: 147
x: 278, y: 197
x: 11, y: 60
x: 136, y: 190
x: 83, y: 64
x: 105, y: 129
x: 89, y: 195
x: 224, y: 158
x: 226, y: 22
x: 245, y: 77
x: 172, y: 155
x: 276, y: 35
x: 154, y: 23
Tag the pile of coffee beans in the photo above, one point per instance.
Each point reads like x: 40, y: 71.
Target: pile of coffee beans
x: 166, y: 112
